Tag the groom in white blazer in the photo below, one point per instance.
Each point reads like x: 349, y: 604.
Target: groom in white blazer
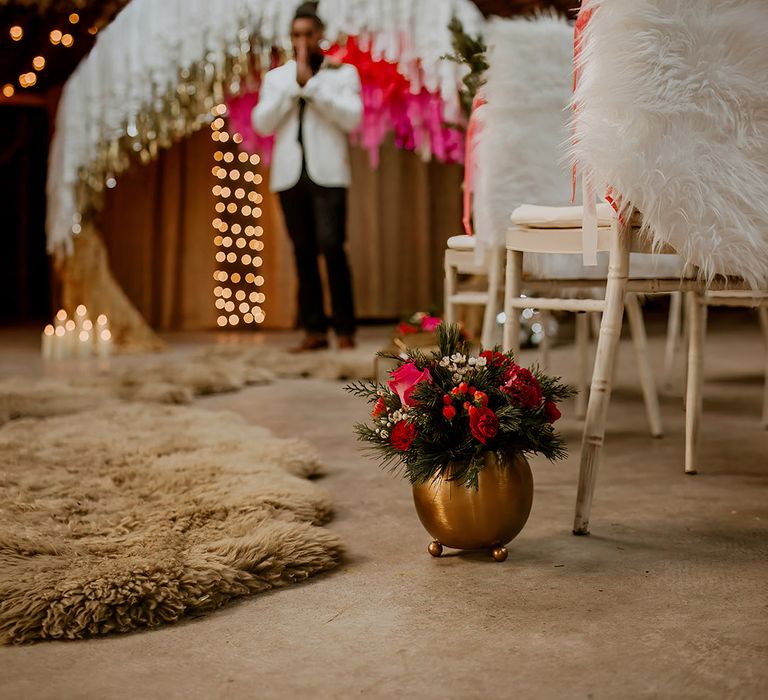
x: 311, y: 105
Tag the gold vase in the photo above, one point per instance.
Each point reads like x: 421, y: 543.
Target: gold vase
x: 487, y: 517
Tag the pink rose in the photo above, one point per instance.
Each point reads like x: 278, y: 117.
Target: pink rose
x: 405, y: 379
x: 429, y: 324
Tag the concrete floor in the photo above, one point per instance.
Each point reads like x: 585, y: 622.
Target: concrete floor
x: 668, y: 598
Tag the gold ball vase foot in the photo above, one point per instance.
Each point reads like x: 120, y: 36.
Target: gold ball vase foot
x: 499, y: 553
x: 435, y: 548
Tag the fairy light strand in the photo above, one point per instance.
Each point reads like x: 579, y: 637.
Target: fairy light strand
x: 238, y: 296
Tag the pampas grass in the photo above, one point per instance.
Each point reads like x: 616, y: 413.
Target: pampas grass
x: 133, y: 516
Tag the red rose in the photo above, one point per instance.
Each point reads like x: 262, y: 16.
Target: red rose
x: 447, y: 399
x: 523, y: 388
x: 449, y: 412
x: 483, y: 423
x: 380, y: 408
x: 403, y: 434
x: 551, y: 412
x: 481, y: 398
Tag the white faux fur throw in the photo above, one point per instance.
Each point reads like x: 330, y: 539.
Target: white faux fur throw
x: 673, y: 114
x: 524, y: 124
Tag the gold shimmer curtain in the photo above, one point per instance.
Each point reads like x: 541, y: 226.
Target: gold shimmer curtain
x: 157, y: 227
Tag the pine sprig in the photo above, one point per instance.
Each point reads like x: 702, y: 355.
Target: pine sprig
x: 471, y: 52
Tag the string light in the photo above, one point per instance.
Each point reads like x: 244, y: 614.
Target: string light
x: 55, y: 36
x: 67, y: 40
x: 8, y: 90
x: 234, y: 230
x: 27, y: 80
x: 38, y: 63
x: 74, y: 18
x: 16, y: 32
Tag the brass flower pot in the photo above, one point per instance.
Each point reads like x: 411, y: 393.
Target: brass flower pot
x: 484, y: 518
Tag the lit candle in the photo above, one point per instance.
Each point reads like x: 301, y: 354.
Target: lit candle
x: 47, y: 342
x: 103, y: 336
x: 104, y: 343
x: 70, y: 340
x: 84, y: 345
x: 59, y: 344
x: 81, y: 314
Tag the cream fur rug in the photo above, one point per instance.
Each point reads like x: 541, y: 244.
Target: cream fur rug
x: 178, y: 380
x: 133, y: 516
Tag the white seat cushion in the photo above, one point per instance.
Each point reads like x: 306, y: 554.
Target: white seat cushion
x: 462, y: 242
x: 534, y: 216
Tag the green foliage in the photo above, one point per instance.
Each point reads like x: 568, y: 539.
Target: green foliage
x: 438, y: 443
x: 471, y: 52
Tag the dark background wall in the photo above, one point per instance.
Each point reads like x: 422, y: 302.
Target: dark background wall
x: 24, y: 275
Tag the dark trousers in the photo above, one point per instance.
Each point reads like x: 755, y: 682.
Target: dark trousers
x: 316, y: 218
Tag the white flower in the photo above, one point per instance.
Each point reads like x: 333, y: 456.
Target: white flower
x: 456, y: 377
x: 458, y: 358
x: 445, y: 362
x: 384, y: 434
x: 481, y: 362
x: 472, y: 361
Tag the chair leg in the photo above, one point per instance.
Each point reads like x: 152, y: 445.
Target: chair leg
x: 763, y: 314
x: 449, y: 291
x: 582, y: 353
x: 492, y: 307
x: 647, y: 382
x: 594, y: 320
x: 600, y: 393
x: 545, y: 346
x: 697, y: 320
x: 673, y: 338
x: 512, y: 290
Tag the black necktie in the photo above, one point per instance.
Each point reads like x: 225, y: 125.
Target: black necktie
x: 302, y: 107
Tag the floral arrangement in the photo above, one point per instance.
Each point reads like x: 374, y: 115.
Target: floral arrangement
x: 438, y: 415
x: 420, y: 322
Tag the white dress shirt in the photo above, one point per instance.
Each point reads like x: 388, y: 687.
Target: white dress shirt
x: 333, y: 108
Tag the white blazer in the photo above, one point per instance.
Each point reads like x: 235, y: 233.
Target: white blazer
x: 333, y: 108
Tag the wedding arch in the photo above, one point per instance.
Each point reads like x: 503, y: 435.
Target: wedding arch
x: 162, y: 71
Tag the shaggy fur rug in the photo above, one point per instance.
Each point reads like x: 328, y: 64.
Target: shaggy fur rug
x: 133, y: 516
x: 179, y: 380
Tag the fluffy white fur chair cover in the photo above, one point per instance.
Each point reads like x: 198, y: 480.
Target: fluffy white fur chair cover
x: 524, y: 124
x: 520, y: 156
x: 673, y: 114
